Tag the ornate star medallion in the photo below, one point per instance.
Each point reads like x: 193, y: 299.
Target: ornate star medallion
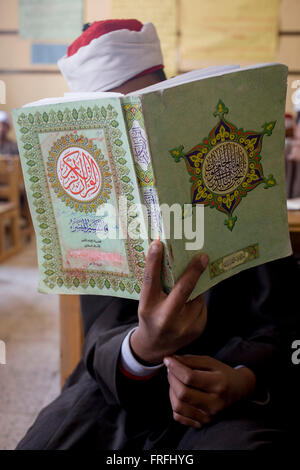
x: 226, y: 165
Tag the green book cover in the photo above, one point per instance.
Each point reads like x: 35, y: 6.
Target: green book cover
x: 225, y: 138
x: 77, y: 164
x: 209, y: 150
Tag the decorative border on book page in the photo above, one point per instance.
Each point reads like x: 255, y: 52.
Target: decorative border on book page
x: 228, y: 262
x: 134, y: 119
x: 31, y: 124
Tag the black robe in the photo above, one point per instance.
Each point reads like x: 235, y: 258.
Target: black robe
x: 252, y: 321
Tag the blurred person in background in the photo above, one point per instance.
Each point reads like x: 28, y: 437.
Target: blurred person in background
x: 293, y: 150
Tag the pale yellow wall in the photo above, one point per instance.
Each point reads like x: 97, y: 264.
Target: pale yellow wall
x: 9, y: 14
x: 23, y: 88
x: 290, y: 15
x: 289, y: 46
x: 15, y: 55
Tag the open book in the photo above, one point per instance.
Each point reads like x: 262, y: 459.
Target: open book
x: 196, y: 161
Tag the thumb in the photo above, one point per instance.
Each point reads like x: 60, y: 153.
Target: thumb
x: 151, y: 287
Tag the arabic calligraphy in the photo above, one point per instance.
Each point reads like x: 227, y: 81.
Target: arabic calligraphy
x: 152, y: 207
x: 139, y: 144
x: 79, y: 174
x: 87, y: 225
x: 225, y: 167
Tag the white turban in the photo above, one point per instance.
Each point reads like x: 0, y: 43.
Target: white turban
x: 111, y: 58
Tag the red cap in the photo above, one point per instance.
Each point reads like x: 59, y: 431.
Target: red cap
x: 108, y: 53
x: 99, y: 28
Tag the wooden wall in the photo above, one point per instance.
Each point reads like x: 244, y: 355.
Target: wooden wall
x: 289, y: 44
x: 26, y: 82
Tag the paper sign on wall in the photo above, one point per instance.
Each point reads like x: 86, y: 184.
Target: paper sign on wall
x: 47, y: 53
x: 50, y: 19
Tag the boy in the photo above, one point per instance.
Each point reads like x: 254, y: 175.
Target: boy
x: 165, y: 372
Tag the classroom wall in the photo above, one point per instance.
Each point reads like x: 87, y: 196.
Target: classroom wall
x: 26, y: 82
x: 289, y: 44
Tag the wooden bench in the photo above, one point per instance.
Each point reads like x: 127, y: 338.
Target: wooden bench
x: 12, y: 189
x: 10, y: 235
x: 71, y: 335
x: 10, y: 239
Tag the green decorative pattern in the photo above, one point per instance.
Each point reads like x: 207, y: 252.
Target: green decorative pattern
x: 133, y: 112
x: 31, y: 124
x: 132, y: 109
x: 226, y: 165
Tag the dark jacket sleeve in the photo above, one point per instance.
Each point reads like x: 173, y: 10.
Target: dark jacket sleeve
x: 253, y: 319
x: 250, y: 320
x: 114, y: 319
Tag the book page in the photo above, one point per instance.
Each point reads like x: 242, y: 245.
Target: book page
x: 82, y: 192
x: 187, y: 77
x: 70, y: 97
x: 217, y: 158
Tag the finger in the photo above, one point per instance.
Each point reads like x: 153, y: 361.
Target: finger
x: 186, y: 421
x: 206, y: 380
x: 197, y: 303
x: 187, y: 411
x: 197, y: 362
x: 192, y: 397
x: 197, y: 310
x: 151, y: 287
x: 185, y: 285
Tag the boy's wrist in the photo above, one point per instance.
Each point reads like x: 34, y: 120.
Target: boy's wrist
x: 143, y: 351
x: 247, y: 381
x: 131, y: 366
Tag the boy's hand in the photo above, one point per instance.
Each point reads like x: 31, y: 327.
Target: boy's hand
x: 201, y: 386
x: 168, y: 322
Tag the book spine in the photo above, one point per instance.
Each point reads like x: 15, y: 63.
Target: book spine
x: 133, y: 116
